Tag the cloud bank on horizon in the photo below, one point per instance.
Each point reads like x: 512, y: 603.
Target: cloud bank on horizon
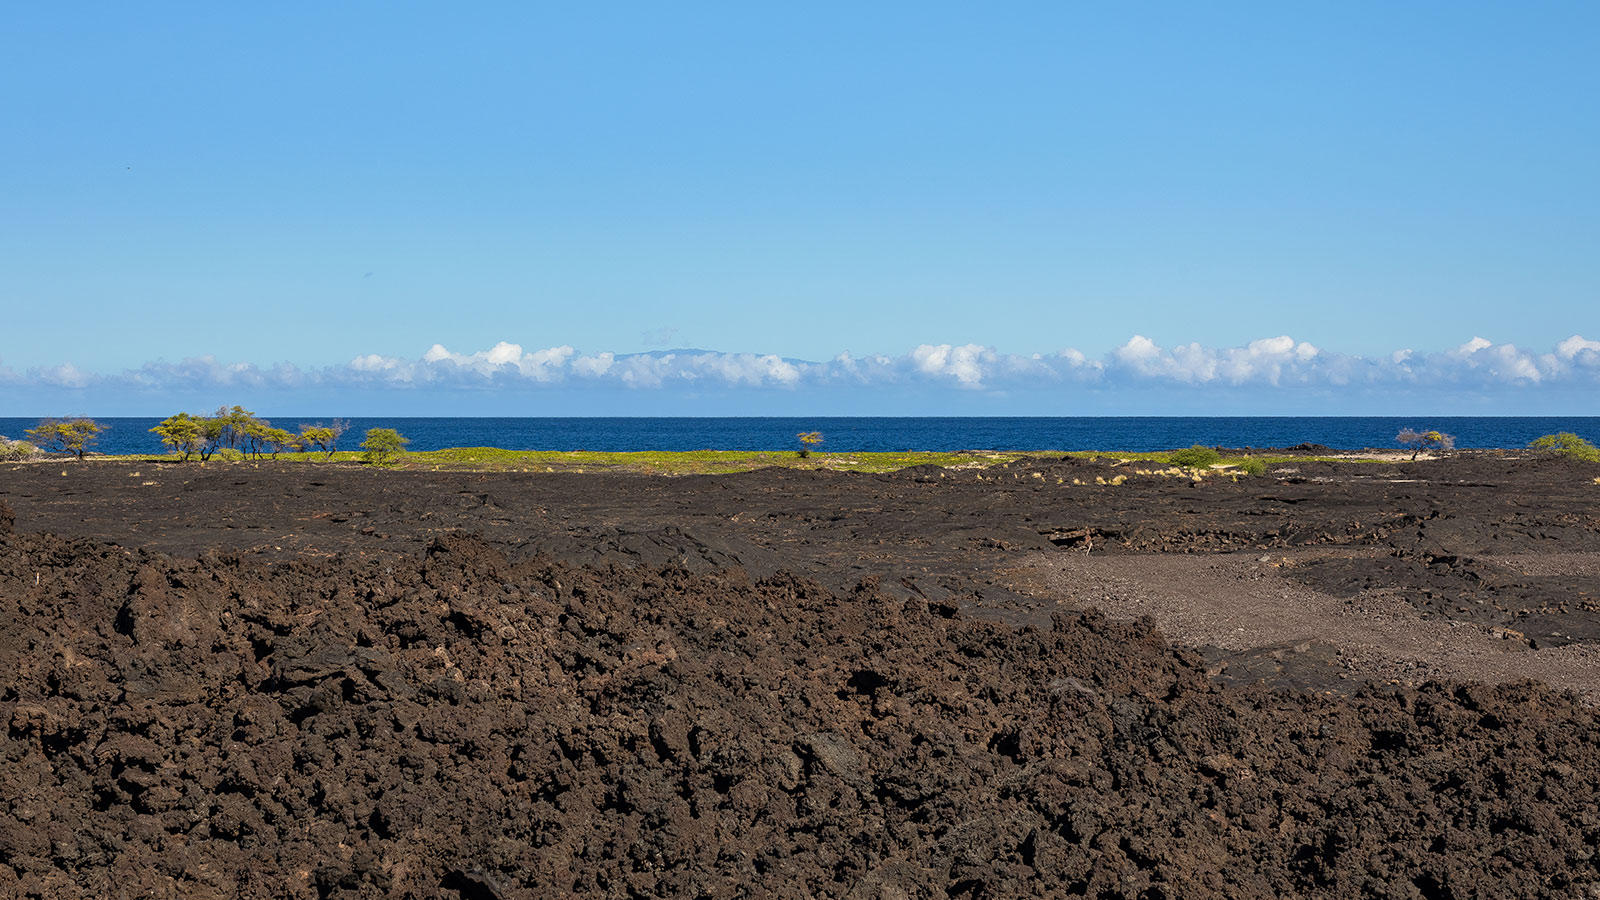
x: 1269, y: 363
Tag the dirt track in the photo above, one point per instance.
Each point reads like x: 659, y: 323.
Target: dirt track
x: 613, y: 692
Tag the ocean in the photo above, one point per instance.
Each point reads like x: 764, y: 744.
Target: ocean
x: 132, y: 435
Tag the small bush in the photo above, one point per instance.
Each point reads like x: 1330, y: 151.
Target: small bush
x: 1567, y: 444
x: 1196, y: 457
x: 808, y: 440
x: 382, y: 446
x: 1252, y: 466
x: 12, y: 451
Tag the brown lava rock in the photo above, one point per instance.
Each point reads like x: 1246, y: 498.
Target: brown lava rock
x: 461, y: 724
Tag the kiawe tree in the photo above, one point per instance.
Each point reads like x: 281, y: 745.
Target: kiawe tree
x: 381, y: 444
x: 1419, y: 441
x: 234, y: 427
x: 183, y: 433
x: 260, y: 437
x: 67, y: 435
x: 278, y: 440
x: 323, y: 437
x: 214, y: 432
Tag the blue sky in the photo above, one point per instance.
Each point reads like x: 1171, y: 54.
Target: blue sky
x: 850, y: 208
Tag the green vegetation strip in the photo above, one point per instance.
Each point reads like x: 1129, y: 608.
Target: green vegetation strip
x: 1166, y: 457
x: 692, y: 462
x: 698, y: 462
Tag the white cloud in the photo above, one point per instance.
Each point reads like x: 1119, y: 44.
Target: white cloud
x: 1572, y: 347
x: 1141, y: 358
x: 501, y: 354
x: 1269, y: 359
x: 645, y: 371
x: 64, y: 375
x: 846, y: 369
x: 542, y: 362
x: 1482, y: 359
x: 372, y: 362
x: 1513, y: 363
x: 1137, y: 352
x: 964, y: 363
x: 1279, y: 362
x: 745, y: 368
x: 593, y: 366
x: 540, y: 365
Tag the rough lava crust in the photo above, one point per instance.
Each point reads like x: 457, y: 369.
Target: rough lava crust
x: 456, y: 723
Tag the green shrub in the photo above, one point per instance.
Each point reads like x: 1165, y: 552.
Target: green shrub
x: 1567, y: 444
x: 808, y: 440
x: 381, y: 445
x: 1252, y: 466
x: 1196, y: 457
x: 11, y: 451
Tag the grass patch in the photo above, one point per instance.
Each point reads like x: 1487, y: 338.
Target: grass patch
x: 699, y: 462
x: 1165, y: 457
x: 647, y: 462
x: 690, y: 462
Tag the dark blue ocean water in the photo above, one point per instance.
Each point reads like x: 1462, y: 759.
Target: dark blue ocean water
x: 841, y: 434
